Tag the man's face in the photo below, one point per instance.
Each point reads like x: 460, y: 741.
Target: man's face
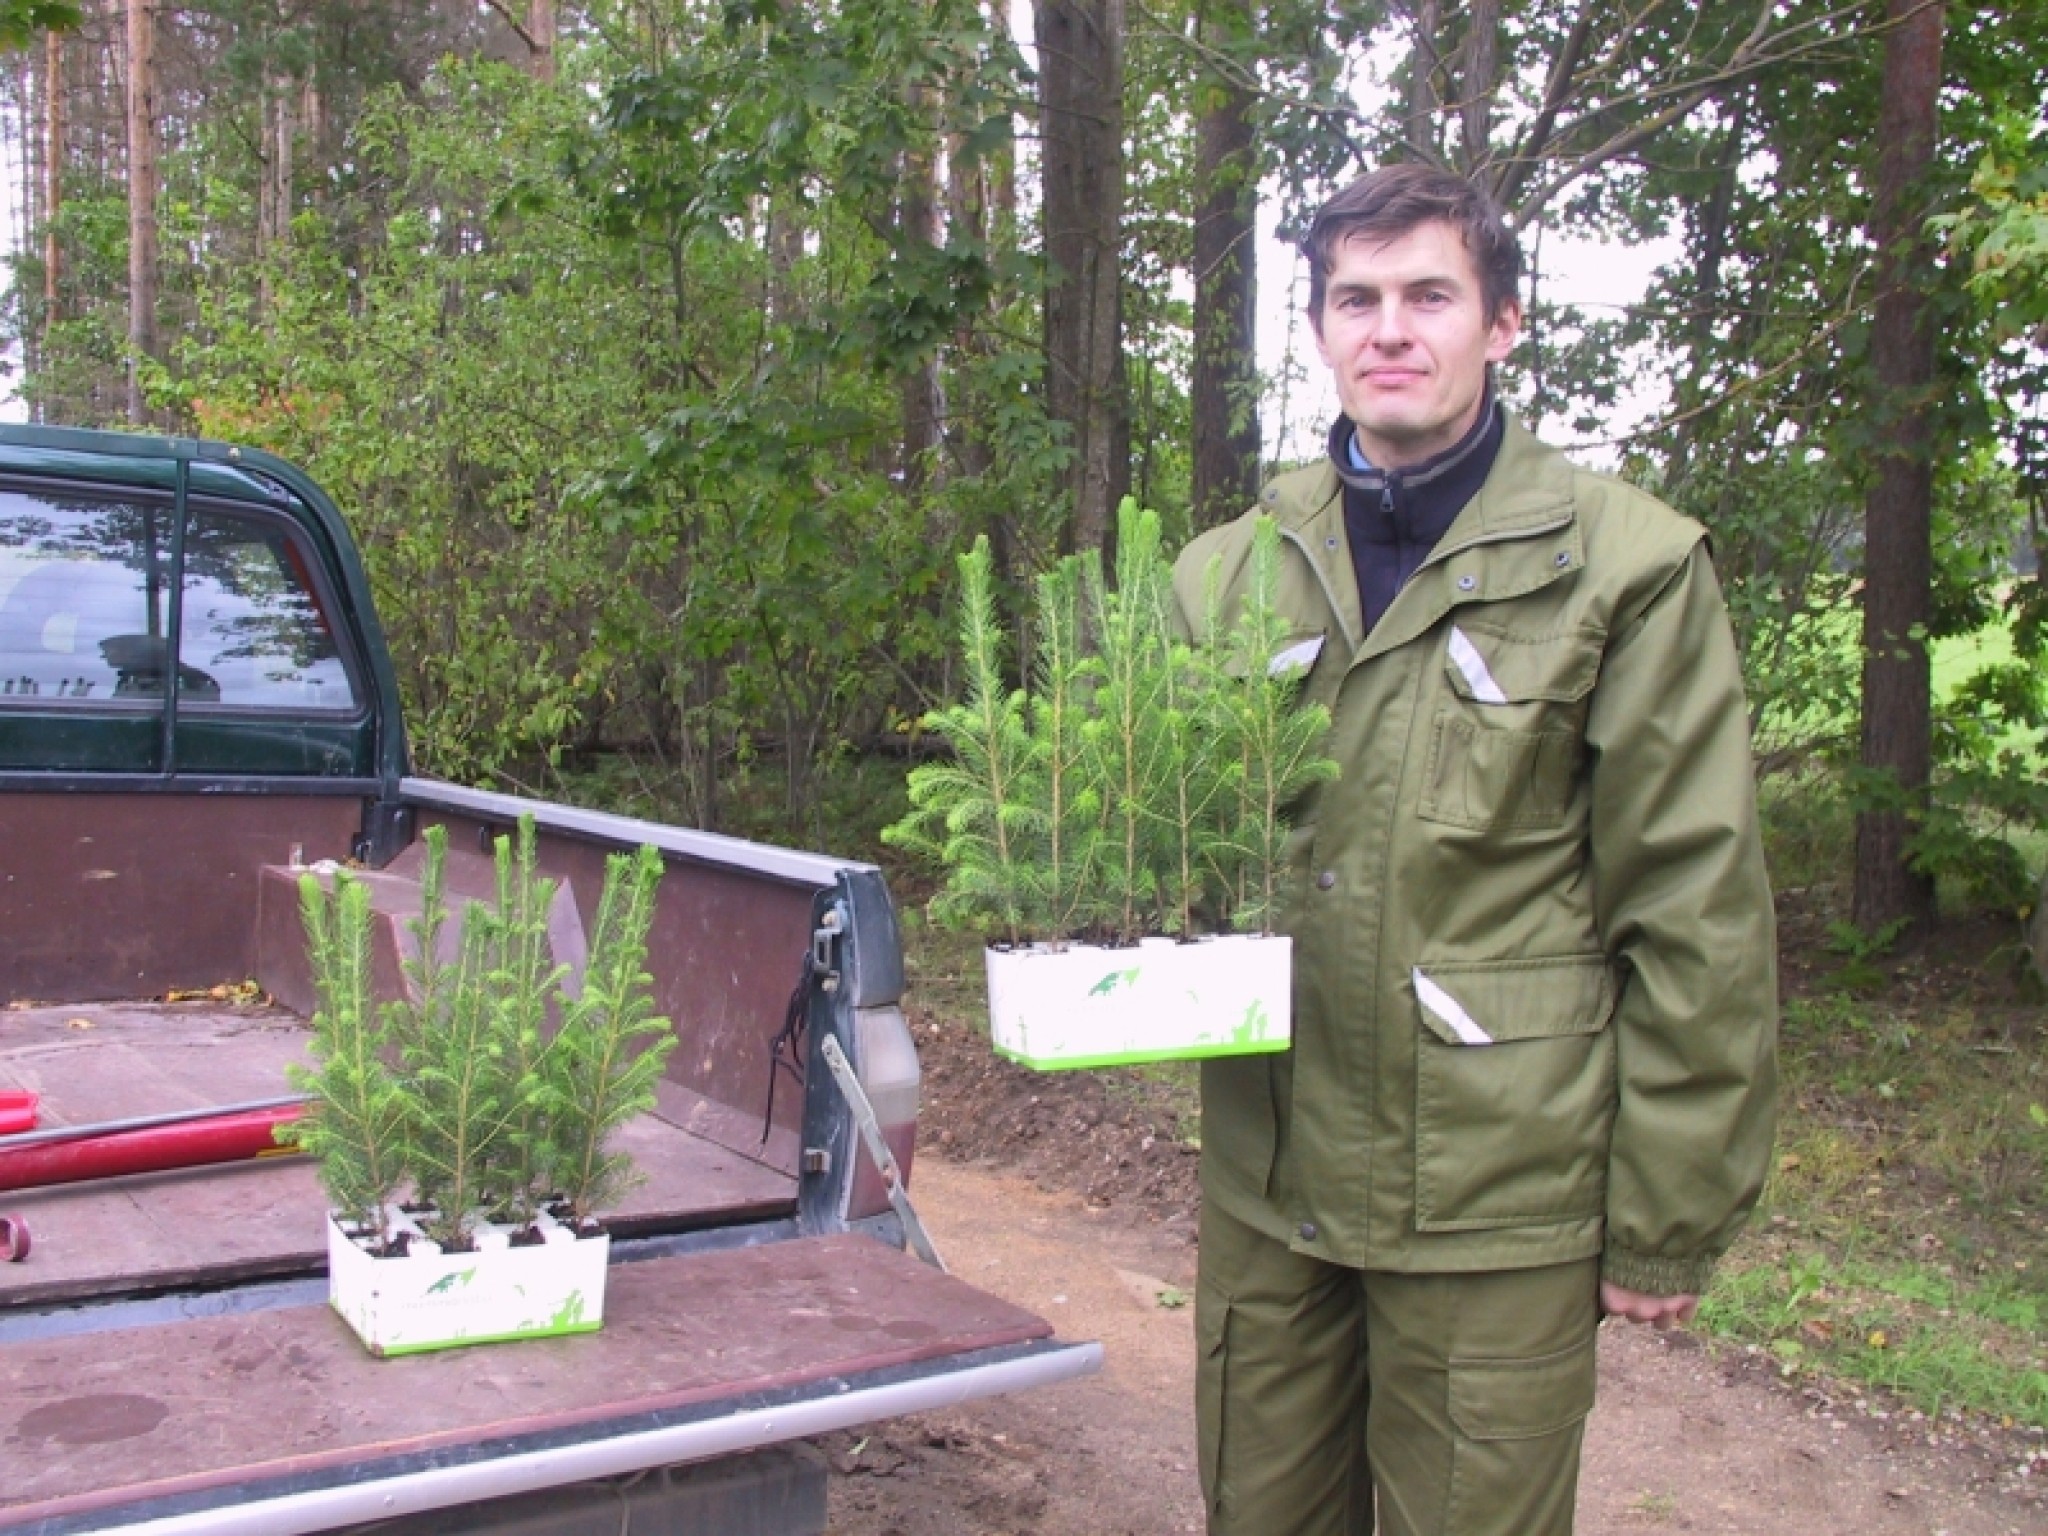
x: 1404, y: 332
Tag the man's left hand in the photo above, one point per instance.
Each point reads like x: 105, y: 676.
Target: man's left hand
x: 1657, y: 1311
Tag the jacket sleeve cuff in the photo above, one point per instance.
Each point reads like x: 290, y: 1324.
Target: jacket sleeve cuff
x: 1657, y: 1277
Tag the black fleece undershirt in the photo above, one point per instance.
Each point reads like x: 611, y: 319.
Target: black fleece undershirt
x: 1394, y: 518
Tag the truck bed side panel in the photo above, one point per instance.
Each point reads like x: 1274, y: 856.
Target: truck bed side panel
x: 127, y: 895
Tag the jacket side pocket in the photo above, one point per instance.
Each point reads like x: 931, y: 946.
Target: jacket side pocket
x: 1514, y: 1092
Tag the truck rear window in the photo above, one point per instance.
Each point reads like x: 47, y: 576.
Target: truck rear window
x: 250, y: 622
x: 85, y: 609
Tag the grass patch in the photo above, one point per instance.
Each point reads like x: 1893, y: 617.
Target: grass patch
x: 1936, y: 1343
x: 1902, y: 1242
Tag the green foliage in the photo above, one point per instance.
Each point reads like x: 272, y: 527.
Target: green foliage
x: 1141, y: 787
x: 1860, y: 952
x: 1988, y: 803
x: 2004, y: 232
x: 359, y: 1117
x: 20, y: 20
x: 495, y: 1086
x: 609, y: 374
x: 620, y: 479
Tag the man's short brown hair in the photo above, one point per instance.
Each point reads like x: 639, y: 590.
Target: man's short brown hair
x: 1387, y: 203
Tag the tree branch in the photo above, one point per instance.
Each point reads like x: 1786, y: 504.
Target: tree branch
x: 1757, y: 52
x: 1556, y: 90
x: 515, y: 24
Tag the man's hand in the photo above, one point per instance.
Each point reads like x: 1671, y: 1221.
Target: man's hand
x: 1657, y: 1311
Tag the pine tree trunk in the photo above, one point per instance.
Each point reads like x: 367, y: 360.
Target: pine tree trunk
x: 1476, y: 84
x: 1080, y: 96
x: 1897, y: 550
x: 541, y: 30
x: 53, y: 181
x: 281, y: 98
x: 25, y: 108
x: 967, y: 199
x: 313, y: 126
x: 919, y: 390
x: 1425, y: 92
x: 284, y: 129
x: 142, y: 186
x: 1225, y: 386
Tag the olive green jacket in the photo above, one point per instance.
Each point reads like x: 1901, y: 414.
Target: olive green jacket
x: 1535, y: 964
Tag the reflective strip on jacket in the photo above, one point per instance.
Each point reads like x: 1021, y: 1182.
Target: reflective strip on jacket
x: 1535, y: 975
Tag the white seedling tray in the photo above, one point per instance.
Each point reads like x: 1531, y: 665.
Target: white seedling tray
x: 431, y: 1300
x: 1158, y: 1000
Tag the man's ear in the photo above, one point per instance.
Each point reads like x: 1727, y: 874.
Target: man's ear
x: 1505, y: 330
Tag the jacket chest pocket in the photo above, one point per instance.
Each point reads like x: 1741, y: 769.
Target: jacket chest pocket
x: 1514, y: 1093
x: 1508, y: 738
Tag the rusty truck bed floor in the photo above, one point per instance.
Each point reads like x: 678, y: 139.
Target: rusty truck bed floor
x: 99, y: 1062
x: 165, y: 1417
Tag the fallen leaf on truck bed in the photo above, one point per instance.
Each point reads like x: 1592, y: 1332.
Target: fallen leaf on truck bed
x: 225, y: 992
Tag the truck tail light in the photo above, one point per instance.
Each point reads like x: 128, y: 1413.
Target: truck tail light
x: 887, y: 1064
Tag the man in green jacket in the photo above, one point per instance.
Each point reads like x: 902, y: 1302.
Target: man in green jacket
x: 1535, y: 998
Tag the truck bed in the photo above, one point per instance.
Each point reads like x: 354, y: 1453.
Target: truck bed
x: 162, y: 1371
x: 98, y: 1062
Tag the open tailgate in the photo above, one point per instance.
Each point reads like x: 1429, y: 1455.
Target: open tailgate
x: 278, y: 1421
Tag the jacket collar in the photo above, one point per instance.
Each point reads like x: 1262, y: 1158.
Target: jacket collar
x: 1520, y: 533
x: 1470, y: 455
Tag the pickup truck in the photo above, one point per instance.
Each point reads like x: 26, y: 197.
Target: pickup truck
x: 196, y: 703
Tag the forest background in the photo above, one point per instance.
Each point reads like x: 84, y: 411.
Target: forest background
x: 664, y: 355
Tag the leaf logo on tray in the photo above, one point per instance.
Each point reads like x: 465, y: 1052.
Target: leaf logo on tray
x: 1109, y: 983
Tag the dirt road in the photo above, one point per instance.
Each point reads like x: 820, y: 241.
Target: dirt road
x: 1683, y: 1439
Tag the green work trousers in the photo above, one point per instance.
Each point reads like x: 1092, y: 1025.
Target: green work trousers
x: 1455, y: 1404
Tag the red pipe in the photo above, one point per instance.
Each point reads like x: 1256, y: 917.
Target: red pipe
x: 230, y: 1138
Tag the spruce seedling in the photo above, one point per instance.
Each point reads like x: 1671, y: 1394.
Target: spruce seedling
x: 1070, y: 833
x: 356, y: 1120
x: 526, y: 983
x: 1280, y: 738
x: 463, y: 1089
x: 462, y: 1060
x: 1139, y: 787
x: 1125, y: 736
x: 611, y: 1047
x: 973, y: 814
